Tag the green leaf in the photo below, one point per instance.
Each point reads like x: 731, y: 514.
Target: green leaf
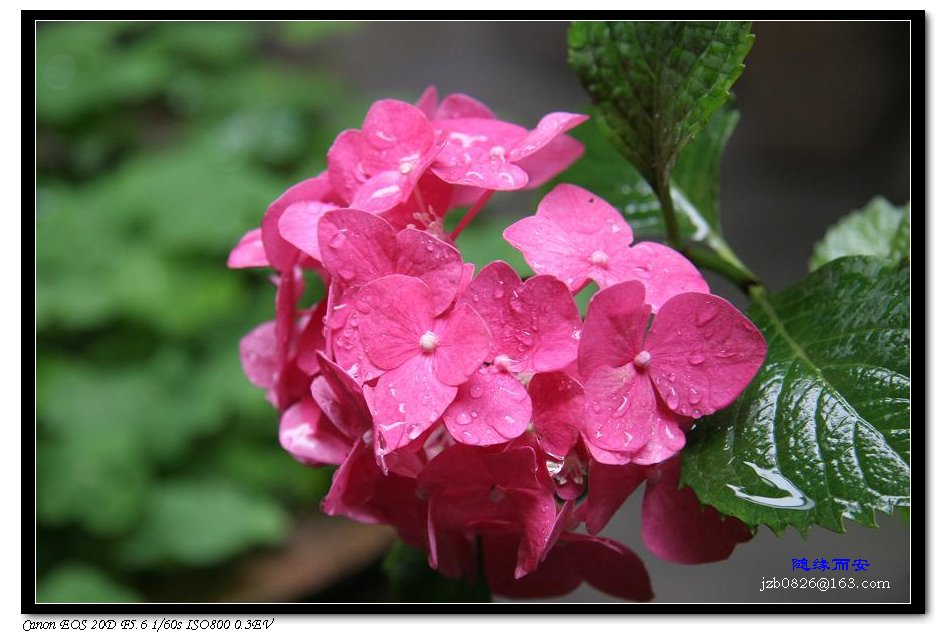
x: 203, y: 522
x: 413, y: 580
x: 878, y: 229
x: 657, y: 84
x: 79, y: 583
x: 823, y: 431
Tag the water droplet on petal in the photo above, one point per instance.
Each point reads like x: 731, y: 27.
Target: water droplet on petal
x: 673, y: 401
x: 696, y: 413
x: 696, y: 359
x: 596, y: 406
x: 642, y: 272
x: 347, y: 274
x: 694, y: 396
x: 725, y: 354
x: 476, y: 391
x: 337, y: 240
x: 706, y: 314
x: 474, y: 414
x: 463, y: 418
x: 628, y: 438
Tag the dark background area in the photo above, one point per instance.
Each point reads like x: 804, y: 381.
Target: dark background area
x: 200, y: 126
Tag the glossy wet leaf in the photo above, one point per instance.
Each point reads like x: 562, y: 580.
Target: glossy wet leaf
x: 413, y: 581
x: 823, y: 431
x: 880, y: 229
x: 657, y: 84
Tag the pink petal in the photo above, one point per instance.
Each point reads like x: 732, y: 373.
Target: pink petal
x: 460, y: 106
x: 573, y: 235
x: 619, y: 409
x: 396, y: 312
x: 428, y: 204
x: 464, y: 344
x: 534, y: 324
x: 432, y: 260
x: 427, y: 103
x: 299, y: 223
x: 281, y: 254
x: 608, y: 488
x: 492, y: 407
x: 666, y: 440
x: 347, y: 345
x: 259, y: 356
x: 383, y: 191
x: 340, y: 398
x: 356, y: 247
x: 704, y: 353
x: 558, y: 404
x: 406, y: 402
x: 345, y: 169
x: 609, y: 566
x: 310, y: 438
x: 311, y: 341
x: 353, y: 486
x: 397, y: 134
x: 614, y: 327
x: 676, y: 527
x: 249, y: 251
x: 551, y: 127
x: 551, y: 160
x: 663, y: 271
x: 466, y: 276
x: 475, y: 154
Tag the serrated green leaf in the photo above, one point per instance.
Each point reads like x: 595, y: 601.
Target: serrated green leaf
x: 823, y: 431
x: 657, y: 84
x: 413, y: 580
x: 879, y: 229
x: 202, y: 522
x: 79, y: 583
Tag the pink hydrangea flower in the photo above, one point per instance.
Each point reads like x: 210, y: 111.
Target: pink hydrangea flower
x: 424, y: 356
x: 696, y: 357
x: 578, y: 237
x: 675, y: 525
x: 377, y: 167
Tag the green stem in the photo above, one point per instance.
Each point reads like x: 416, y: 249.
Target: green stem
x: 724, y: 261
x: 662, y: 189
x: 471, y: 214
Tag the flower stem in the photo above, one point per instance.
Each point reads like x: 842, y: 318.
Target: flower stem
x: 723, y: 260
x: 471, y: 214
x: 662, y: 189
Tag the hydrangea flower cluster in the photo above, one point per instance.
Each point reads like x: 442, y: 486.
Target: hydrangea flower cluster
x: 476, y: 412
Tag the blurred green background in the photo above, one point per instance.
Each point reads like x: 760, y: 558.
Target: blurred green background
x: 158, y: 146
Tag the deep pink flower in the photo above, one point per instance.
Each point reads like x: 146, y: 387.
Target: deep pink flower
x: 424, y: 357
x: 675, y: 525
x: 454, y: 106
x: 469, y: 488
x: 249, y: 252
x: 310, y: 437
x: 377, y: 167
x: 698, y: 356
x: 578, y: 237
x: 604, y: 563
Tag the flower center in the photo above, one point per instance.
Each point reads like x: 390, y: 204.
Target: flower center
x: 599, y: 258
x: 642, y: 360
x: 502, y: 361
x: 428, y: 341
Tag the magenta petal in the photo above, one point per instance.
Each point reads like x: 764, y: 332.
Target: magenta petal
x: 663, y: 271
x: 548, y: 248
x: 249, y: 251
x: 535, y: 324
x: 309, y: 437
x: 280, y: 253
x: 667, y: 439
x: 406, y: 402
x: 464, y: 344
x: 609, y: 566
x: 492, y: 407
x: 340, y: 398
x: 551, y: 160
x: 619, y: 408
x: 614, y: 327
x: 311, y: 340
x: 475, y: 154
x: 397, y: 133
x: 396, y: 312
x: 353, y: 485
x: 356, y: 247
x: 586, y: 216
x: 704, y: 353
x: 676, y: 527
x: 427, y: 103
x: 347, y: 345
x: 259, y: 355
x: 555, y: 576
x: 552, y: 126
x: 434, y: 261
x: 608, y: 488
x: 460, y: 106
x: 299, y: 224
x: 558, y: 403
x: 382, y: 192
x: 345, y: 169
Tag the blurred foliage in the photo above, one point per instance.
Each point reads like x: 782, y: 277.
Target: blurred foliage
x: 158, y: 145
x: 413, y: 581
